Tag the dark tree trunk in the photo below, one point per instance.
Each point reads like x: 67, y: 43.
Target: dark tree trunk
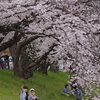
x: 24, y: 63
x: 70, y: 71
x: 13, y: 49
x: 23, y: 67
x: 19, y: 68
x: 43, y: 67
x: 54, y: 67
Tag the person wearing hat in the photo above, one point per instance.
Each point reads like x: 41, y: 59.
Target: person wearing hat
x: 32, y: 95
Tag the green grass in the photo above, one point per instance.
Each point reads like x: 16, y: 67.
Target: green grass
x: 47, y: 87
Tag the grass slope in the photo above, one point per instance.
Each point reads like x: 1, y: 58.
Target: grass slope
x: 46, y: 87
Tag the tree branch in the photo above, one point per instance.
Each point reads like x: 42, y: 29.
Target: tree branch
x: 10, y: 42
x: 38, y: 62
x: 96, y: 33
x: 21, y: 45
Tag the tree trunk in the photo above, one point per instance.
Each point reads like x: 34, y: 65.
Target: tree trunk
x: 54, y: 67
x: 24, y: 63
x: 23, y: 67
x: 17, y: 67
x: 43, y: 67
x: 70, y: 71
x: 13, y: 49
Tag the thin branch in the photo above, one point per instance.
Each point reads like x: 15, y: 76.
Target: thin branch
x: 43, y: 57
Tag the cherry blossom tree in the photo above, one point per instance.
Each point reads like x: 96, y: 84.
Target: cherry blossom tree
x: 38, y: 31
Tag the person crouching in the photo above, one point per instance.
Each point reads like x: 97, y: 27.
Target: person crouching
x: 69, y: 92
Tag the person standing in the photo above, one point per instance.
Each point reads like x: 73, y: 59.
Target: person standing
x: 6, y: 59
x: 23, y: 93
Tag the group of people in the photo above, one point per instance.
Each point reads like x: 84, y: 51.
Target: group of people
x: 25, y: 96
x: 76, y: 90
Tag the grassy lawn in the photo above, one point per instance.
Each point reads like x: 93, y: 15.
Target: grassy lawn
x: 47, y: 87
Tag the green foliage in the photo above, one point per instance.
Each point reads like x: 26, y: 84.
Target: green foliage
x: 46, y: 87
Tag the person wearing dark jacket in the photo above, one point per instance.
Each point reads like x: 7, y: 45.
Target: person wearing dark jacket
x: 6, y: 60
x: 1, y: 63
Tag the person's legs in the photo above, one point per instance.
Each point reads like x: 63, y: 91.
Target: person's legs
x: 2, y: 65
x: 8, y: 63
x: 81, y: 95
x: 78, y: 92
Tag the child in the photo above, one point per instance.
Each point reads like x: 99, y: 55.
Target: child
x: 32, y: 95
x: 23, y: 94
